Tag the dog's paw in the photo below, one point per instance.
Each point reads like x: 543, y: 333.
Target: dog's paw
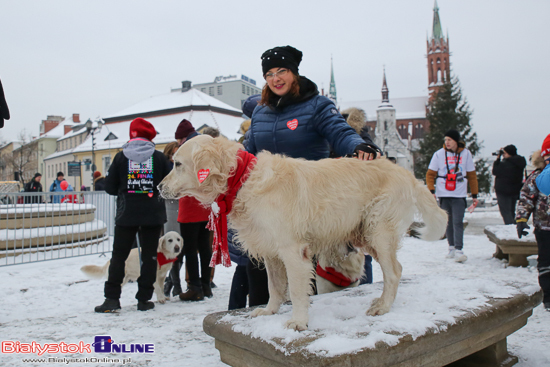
x: 162, y: 299
x: 260, y: 312
x: 296, y: 325
x: 377, y: 309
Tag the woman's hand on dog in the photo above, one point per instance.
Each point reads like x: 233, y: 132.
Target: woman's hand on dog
x: 365, y: 152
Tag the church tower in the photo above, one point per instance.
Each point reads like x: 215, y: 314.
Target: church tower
x: 438, y: 56
x: 332, y: 90
x: 387, y: 137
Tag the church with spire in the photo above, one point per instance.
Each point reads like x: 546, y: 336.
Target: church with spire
x: 397, y: 125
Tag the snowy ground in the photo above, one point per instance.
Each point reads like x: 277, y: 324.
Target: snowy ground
x: 50, y: 302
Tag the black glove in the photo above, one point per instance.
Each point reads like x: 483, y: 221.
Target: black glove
x: 522, y: 228
x: 364, y: 147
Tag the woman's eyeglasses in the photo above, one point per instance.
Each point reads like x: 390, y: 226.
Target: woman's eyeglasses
x: 279, y: 73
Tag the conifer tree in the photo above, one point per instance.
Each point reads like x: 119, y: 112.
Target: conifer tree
x: 449, y: 110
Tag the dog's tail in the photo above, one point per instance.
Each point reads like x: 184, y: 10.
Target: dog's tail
x: 94, y: 271
x: 435, y: 218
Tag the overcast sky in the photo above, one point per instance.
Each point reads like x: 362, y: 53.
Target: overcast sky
x: 98, y: 57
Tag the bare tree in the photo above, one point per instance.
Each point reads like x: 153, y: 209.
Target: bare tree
x: 24, y: 159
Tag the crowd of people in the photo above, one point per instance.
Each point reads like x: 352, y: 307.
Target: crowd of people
x: 291, y: 117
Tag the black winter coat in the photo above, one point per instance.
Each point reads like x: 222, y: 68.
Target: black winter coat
x: 4, y: 111
x: 509, y: 175
x: 138, y: 199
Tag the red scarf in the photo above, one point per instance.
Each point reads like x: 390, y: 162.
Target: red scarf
x: 333, y: 276
x: 161, y: 259
x: 222, y: 206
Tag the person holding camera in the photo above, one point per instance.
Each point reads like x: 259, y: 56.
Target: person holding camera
x: 508, y: 173
x: 450, y: 171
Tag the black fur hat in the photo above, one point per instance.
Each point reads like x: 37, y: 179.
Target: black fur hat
x: 282, y: 57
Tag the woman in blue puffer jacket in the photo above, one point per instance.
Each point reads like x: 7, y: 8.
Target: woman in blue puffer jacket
x: 293, y: 119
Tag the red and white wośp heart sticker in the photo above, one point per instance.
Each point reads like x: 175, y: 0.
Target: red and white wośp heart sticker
x: 292, y: 124
x: 203, y: 174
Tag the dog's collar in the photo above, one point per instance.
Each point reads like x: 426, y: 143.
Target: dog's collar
x: 334, y: 276
x: 162, y: 260
x: 217, y: 220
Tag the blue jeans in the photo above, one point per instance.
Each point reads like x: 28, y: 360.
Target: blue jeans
x: 455, y: 208
x: 367, y: 278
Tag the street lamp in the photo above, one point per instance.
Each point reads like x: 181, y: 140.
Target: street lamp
x: 91, y: 129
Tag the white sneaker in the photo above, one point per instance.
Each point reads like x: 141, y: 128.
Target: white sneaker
x: 460, y: 257
x: 451, y: 253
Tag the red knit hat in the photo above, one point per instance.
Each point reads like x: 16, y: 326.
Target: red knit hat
x: 184, y: 129
x: 140, y: 128
x: 97, y: 174
x: 545, y: 150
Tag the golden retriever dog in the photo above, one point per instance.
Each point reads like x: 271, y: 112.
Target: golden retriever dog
x: 347, y: 263
x: 170, y: 245
x: 291, y: 209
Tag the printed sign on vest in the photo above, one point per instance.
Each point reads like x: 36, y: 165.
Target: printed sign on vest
x: 140, y: 177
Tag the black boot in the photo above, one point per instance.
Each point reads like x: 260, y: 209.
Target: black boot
x: 110, y: 305
x: 193, y: 293
x: 207, y: 289
x: 175, y: 278
x: 145, y: 305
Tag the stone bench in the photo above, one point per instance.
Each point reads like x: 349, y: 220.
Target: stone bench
x: 476, y: 338
x: 506, y: 239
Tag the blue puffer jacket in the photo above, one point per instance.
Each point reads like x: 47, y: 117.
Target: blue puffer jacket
x: 306, y: 126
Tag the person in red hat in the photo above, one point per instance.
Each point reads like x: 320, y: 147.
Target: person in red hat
x: 532, y: 200
x: 543, y: 180
x: 193, y: 218
x: 133, y: 178
x: 99, y: 181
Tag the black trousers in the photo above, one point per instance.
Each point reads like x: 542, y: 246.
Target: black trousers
x: 239, y: 288
x: 196, y: 238
x: 543, y: 262
x: 258, y: 291
x: 507, y: 207
x: 124, y: 239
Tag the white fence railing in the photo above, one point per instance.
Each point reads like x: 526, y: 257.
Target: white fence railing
x: 46, y: 226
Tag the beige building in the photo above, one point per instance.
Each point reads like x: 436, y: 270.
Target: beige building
x: 6, y: 158
x: 53, y: 129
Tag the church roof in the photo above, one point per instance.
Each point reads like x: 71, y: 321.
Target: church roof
x: 405, y: 108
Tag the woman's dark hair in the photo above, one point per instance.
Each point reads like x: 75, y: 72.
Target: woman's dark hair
x: 267, y: 93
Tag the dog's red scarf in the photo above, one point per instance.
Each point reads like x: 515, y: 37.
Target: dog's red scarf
x: 217, y: 220
x: 161, y: 259
x: 334, y: 276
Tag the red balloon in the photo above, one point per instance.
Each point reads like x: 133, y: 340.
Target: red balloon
x: 64, y: 185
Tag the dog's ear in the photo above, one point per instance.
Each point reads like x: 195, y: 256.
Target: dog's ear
x: 161, y: 244
x: 213, y: 161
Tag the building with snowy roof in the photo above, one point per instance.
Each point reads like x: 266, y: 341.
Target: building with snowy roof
x: 105, y: 137
x: 228, y: 89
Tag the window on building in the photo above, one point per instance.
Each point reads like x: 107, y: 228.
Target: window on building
x: 80, y: 138
x: 220, y: 89
x: 106, y: 164
x: 247, y: 90
x: 418, y: 131
x: 211, y: 91
x: 203, y: 90
x: 244, y: 90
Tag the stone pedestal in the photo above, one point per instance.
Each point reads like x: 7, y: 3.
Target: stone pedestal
x: 517, y: 249
x: 476, y: 339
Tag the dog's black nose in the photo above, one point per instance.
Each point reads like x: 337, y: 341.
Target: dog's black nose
x: 176, y: 248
